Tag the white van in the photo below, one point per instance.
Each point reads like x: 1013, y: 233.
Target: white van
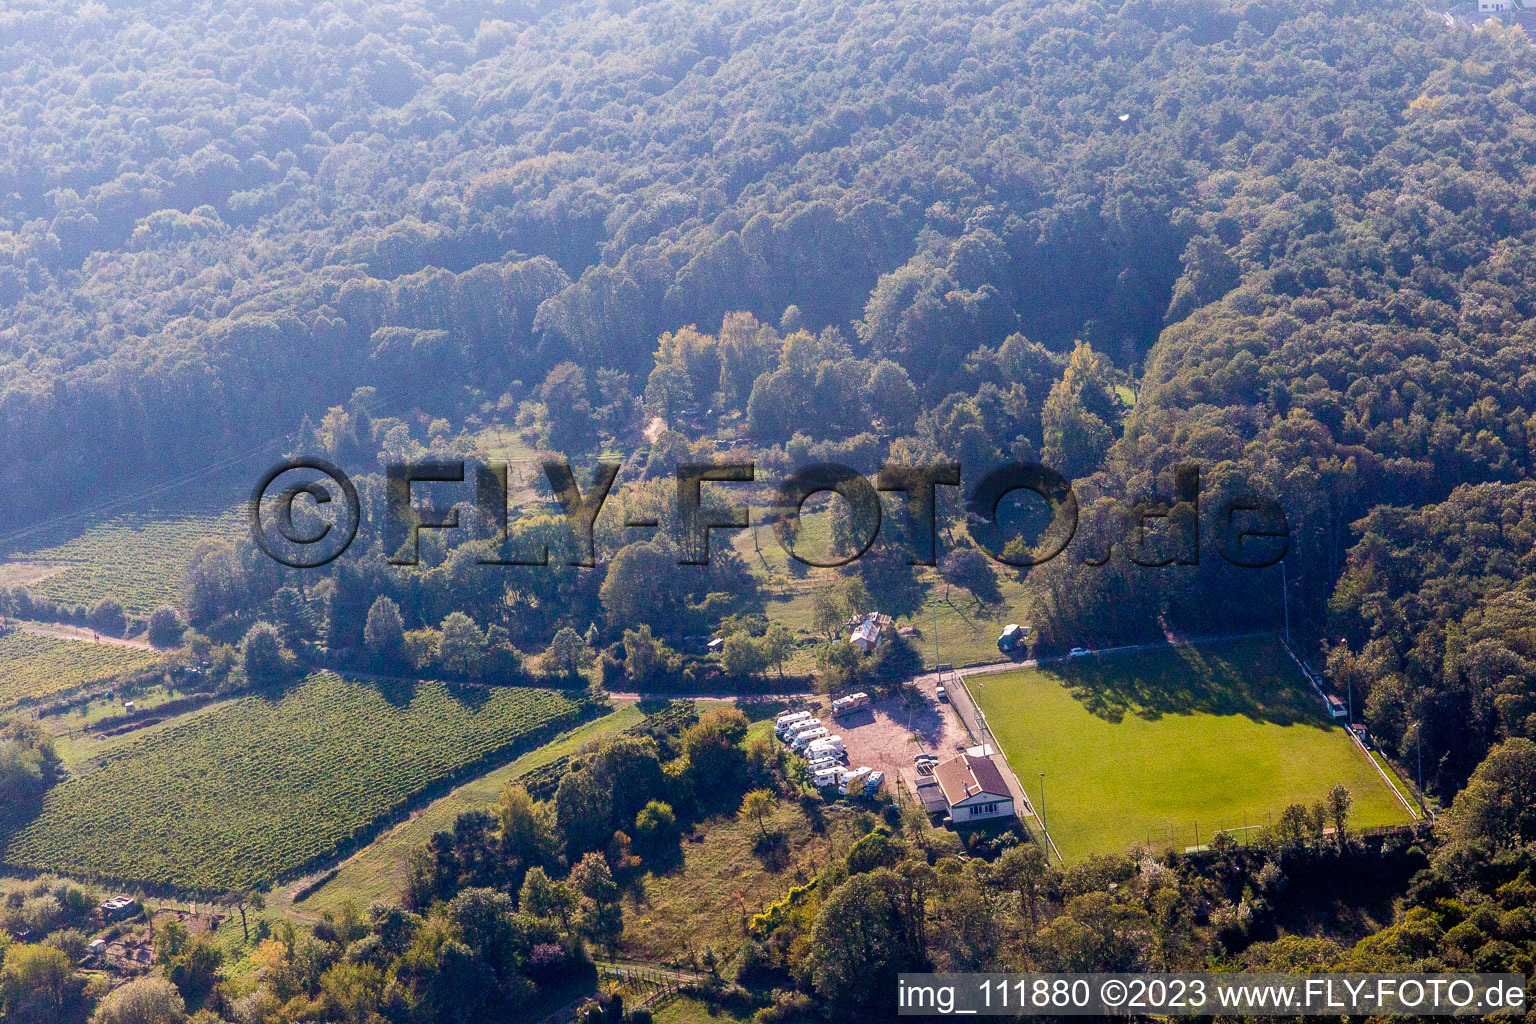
x: 828, y: 777
x: 853, y: 785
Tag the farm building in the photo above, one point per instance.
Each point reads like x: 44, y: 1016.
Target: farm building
x: 974, y: 789
x: 865, y: 630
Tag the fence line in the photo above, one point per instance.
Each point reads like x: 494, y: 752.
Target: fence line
x: 1313, y: 677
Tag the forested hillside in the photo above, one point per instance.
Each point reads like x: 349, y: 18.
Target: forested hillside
x: 1291, y: 243
x: 1288, y: 242
x: 217, y: 222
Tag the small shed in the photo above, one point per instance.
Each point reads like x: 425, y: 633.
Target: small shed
x: 119, y: 908
x: 931, y: 795
x: 865, y: 630
x: 1013, y: 635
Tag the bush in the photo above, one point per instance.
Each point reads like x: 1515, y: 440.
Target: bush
x: 107, y: 616
x: 165, y: 627
x: 264, y: 656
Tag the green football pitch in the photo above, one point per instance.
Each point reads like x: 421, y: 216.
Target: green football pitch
x: 1169, y: 745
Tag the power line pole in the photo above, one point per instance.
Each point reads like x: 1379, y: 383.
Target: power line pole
x: 1418, y: 742
x: 1285, y: 601
x: 935, y: 615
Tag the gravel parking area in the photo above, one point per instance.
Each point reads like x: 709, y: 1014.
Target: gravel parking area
x: 887, y: 734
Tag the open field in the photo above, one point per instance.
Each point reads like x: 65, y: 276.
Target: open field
x: 33, y: 666
x: 686, y: 1010
x: 247, y: 792
x: 138, y: 558
x: 966, y: 630
x: 378, y: 871
x: 1167, y: 746
x: 695, y: 904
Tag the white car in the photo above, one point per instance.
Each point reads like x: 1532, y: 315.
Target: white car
x: 1079, y: 652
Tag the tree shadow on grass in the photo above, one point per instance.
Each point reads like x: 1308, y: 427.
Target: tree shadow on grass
x: 1224, y: 680
x: 772, y: 849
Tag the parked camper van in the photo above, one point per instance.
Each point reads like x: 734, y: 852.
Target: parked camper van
x: 795, y: 730
x: 853, y: 785
x: 852, y: 702
x: 828, y: 778
x: 785, y: 723
x: 830, y: 744
x: 805, y: 739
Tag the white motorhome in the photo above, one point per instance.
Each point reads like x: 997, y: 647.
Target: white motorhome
x: 805, y: 739
x: 830, y: 744
x: 800, y: 728
x: 786, y: 722
x: 827, y: 778
x: 852, y: 702
x: 853, y: 785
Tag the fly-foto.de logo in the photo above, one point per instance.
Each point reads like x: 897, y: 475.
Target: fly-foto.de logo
x: 312, y: 518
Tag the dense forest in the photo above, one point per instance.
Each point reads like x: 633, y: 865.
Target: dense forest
x: 1285, y: 244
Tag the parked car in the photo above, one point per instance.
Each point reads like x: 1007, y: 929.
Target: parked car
x: 942, y: 694
x: 1079, y: 652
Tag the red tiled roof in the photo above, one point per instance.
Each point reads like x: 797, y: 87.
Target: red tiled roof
x: 966, y: 776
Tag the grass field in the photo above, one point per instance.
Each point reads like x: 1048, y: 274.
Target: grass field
x: 695, y: 904
x: 378, y: 871
x: 33, y: 667
x: 247, y: 792
x: 966, y: 631
x: 139, y: 559
x: 686, y: 1010
x: 1169, y: 745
